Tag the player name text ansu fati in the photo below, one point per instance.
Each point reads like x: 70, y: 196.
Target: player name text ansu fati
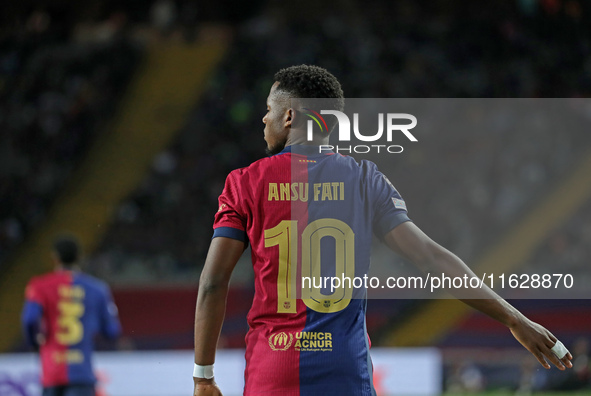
x: 331, y: 191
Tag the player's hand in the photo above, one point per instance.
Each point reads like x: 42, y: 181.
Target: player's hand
x: 539, y: 341
x: 206, y: 387
x: 40, y: 337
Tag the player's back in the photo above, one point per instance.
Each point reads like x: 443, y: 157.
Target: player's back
x: 75, y: 307
x: 308, y: 217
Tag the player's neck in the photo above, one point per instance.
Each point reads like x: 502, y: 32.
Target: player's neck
x: 300, y: 137
x: 63, y: 268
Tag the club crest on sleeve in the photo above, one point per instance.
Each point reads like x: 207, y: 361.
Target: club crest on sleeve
x: 399, y: 203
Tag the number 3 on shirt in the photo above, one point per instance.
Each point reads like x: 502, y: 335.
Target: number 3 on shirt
x: 71, y: 330
x: 285, y: 234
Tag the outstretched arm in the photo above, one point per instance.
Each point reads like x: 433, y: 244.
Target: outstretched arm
x: 412, y: 243
x: 211, y: 305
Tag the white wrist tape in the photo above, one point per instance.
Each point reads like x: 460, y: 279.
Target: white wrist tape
x: 559, y: 349
x: 203, y: 371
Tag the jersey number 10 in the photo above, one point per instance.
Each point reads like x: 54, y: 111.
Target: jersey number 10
x: 285, y: 235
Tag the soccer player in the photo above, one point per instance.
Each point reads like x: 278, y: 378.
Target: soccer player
x: 310, y: 213
x: 63, y: 312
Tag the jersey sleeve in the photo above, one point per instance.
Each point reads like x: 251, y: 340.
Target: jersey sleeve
x: 110, y: 326
x: 230, y: 220
x: 389, y: 207
x: 32, y: 293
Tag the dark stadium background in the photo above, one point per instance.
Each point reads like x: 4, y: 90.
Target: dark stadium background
x: 119, y: 121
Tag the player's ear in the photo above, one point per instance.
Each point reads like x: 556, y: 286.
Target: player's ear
x: 290, y: 117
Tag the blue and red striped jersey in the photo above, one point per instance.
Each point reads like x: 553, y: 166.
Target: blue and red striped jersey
x: 308, y: 215
x: 67, y: 309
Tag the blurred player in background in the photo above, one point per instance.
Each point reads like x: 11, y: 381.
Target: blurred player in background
x: 63, y: 312
x: 301, y: 207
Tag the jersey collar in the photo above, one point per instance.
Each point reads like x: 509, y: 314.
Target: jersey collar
x: 305, y: 149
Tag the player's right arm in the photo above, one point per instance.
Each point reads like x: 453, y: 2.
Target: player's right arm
x: 221, y: 259
x: 412, y: 243
x: 228, y: 243
x: 31, y: 316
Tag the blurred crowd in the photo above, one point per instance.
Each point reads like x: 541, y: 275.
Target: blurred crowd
x: 567, y: 249
x: 63, y: 70
x: 55, y: 96
x: 485, y: 174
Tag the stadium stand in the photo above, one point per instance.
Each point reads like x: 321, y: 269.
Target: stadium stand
x: 173, y: 208
x: 60, y: 85
x: 54, y: 99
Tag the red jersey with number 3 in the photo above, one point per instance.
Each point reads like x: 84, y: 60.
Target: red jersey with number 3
x: 68, y: 308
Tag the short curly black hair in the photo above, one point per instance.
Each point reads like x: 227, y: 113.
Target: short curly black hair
x: 308, y: 81
x: 67, y: 249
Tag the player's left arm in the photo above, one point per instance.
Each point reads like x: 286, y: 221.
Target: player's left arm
x: 221, y: 259
x: 410, y: 242
x: 109, y: 316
